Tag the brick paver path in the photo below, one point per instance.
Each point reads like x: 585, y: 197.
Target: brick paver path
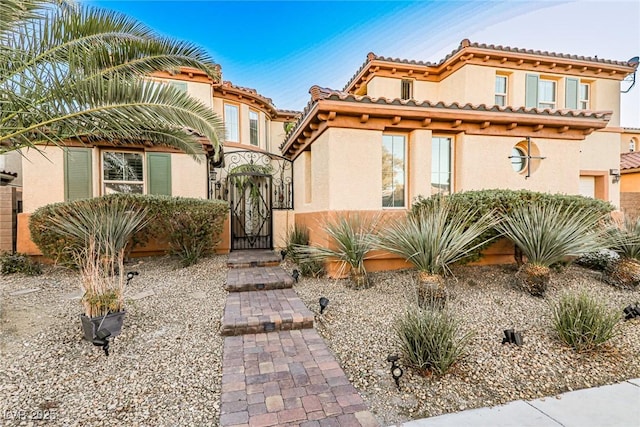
x: 257, y: 278
x: 281, y: 378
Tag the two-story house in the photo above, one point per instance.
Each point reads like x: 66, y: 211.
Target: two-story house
x: 484, y: 117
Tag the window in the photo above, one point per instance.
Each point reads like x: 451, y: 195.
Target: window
x: 253, y: 128
x: 181, y: 86
x: 393, y: 166
x: 546, y: 94
x: 231, y: 123
x: 632, y: 145
x: 440, y: 165
x: 583, y: 96
x: 518, y: 158
x: 501, y: 91
x: 406, y: 89
x: 122, y: 172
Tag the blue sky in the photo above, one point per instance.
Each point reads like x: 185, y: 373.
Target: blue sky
x: 283, y: 48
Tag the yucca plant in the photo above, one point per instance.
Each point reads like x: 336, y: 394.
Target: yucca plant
x: 583, y: 323
x: 548, y: 234
x: 433, y: 238
x: 351, y: 240
x: 431, y: 341
x: 623, y: 237
x: 98, y: 235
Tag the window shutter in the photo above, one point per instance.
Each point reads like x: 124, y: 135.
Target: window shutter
x: 571, y: 93
x: 531, y: 91
x: 159, y: 173
x: 78, y: 183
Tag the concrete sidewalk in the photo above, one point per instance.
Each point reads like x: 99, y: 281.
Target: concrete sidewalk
x: 606, y: 406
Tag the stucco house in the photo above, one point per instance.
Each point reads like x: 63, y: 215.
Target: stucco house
x: 630, y: 171
x: 483, y: 117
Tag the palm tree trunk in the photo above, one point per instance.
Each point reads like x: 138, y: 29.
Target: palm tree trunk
x: 534, y: 278
x: 431, y: 291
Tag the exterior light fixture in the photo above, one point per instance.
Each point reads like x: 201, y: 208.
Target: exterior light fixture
x: 102, y: 340
x: 632, y: 311
x: 324, y: 302
x: 295, y: 275
x: 396, y: 371
x: 283, y: 253
x: 615, y: 173
x: 131, y: 275
x: 512, y: 337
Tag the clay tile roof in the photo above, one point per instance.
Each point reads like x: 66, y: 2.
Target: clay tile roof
x: 630, y: 160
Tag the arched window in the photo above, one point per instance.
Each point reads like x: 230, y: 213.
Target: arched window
x: 632, y: 144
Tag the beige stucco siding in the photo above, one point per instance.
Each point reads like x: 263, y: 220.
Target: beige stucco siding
x: 384, y: 87
x: 483, y: 162
x: 419, y: 164
x: 606, y: 97
x: 188, y: 177
x: 43, y: 178
x: 598, y: 152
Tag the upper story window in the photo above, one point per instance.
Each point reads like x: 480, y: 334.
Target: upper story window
x: 546, y: 94
x: 632, y: 144
x: 122, y: 172
x: 231, y: 123
x: 501, y: 90
x: 441, y: 165
x: 540, y: 92
x: 406, y: 89
x: 181, y: 86
x: 584, y: 95
x: 253, y: 128
x: 393, y: 167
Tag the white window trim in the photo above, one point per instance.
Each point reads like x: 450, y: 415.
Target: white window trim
x: 451, y: 161
x: 554, y: 104
x: 257, y: 120
x: 227, y: 136
x: 104, y: 182
x: 506, y: 90
x: 586, y: 101
x: 406, y: 162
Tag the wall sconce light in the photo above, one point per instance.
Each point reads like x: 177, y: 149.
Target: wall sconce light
x: 512, y: 337
x: 295, y: 275
x: 615, y: 173
x: 324, y: 302
x: 396, y: 371
x: 632, y: 311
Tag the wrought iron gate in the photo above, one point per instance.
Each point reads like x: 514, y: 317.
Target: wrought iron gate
x: 250, y: 202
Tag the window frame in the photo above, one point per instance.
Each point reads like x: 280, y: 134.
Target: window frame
x: 497, y: 94
x: 404, y: 170
x: 227, y: 136
x: 104, y: 182
x: 257, y: 128
x: 553, y: 104
x: 406, y: 89
x: 584, y: 104
x: 450, y: 172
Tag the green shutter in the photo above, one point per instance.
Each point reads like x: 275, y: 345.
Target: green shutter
x: 159, y: 173
x: 78, y: 183
x: 571, y: 93
x: 531, y: 91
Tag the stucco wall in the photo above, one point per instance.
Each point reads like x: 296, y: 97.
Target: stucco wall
x: 43, y: 178
x: 599, y: 152
x: 188, y: 177
x: 384, y: 87
x: 630, y: 183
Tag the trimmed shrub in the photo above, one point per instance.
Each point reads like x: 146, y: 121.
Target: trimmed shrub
x: 504, y: 202
x: 430, y: 340
x: 163, y: 213
x: 583, y: 323
x: 19, y: 263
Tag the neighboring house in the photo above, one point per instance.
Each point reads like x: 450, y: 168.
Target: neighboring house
x: 10, y: 199
x: 484, y: 117
x: 630, y: 171
x: 88, y: 170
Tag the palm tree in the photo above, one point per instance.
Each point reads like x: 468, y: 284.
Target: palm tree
x: 550, y: 233
x: 78, y: 72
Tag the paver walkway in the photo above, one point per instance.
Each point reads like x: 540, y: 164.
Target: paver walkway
x: 285, y: 377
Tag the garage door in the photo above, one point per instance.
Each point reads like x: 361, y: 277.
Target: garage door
x: 588, y: 186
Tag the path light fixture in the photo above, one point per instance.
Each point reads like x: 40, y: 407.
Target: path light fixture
x: 512, y: 337
x: 631, y: 311
x: 102, y: 340
x: 396, y: 371
x: 295, y: 275
x: 131, y: 275
x: 324, y: 302
x: 283, y: 254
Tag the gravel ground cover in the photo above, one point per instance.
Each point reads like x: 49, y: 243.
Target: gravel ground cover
x: 357, y: 326
x: 163, y: 370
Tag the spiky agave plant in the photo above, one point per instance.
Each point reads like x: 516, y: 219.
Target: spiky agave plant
x: 351, y: 240
x: 547, y: 234
x: 623, y: 237
x: 434, y: 238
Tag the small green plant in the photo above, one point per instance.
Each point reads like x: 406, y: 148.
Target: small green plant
x: 623, y: 237
x: 583, y: 323
x: 19, y: 263
x: 351, y: 239
x: 297, y: 237
x: 431, y: 341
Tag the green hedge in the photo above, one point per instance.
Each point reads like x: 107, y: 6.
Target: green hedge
x: 187, y: 225
x: 504, y: 201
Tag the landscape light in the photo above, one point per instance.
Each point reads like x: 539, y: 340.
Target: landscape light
x: 131, y: 275
x: 283, y: 253
x: 512, y: 337
x: 324, y: 302
x: 632, y: 311
x: 102, y: 340
x: 396, y: 371
x: 295, y: 275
